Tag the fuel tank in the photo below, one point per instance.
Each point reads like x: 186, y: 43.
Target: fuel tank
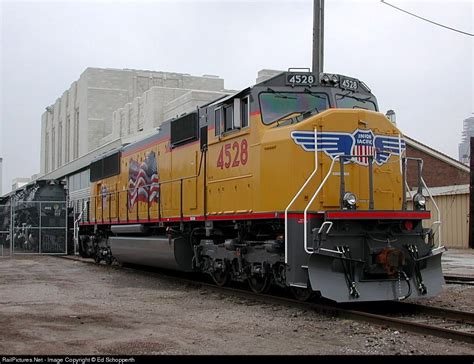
x: 153, y: 251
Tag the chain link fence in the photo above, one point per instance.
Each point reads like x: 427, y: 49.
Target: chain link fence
x: 5, y: 232
x: 38, y: 227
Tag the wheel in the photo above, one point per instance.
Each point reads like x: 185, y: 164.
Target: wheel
x: 97, y: 258
x: 259, y: 284
x: 84, y: 248
x: 109, y: 259
x: 302, y: 294
x: 221, y: 278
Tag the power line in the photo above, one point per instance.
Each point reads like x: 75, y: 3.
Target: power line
x: 430, y: 21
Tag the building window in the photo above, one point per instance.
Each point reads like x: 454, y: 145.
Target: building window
x: 60, y: 144
x: 244, y: 114
x: 46, y: 153
x: 68, y: 138
x: 53, y: 149
x: 76, y: 135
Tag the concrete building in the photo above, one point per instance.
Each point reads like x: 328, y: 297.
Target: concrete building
x: 106, y: 104
x: 265, y: 74
x: 467, y: 133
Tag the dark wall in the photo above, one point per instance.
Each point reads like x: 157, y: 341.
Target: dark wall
x: 436, y: 172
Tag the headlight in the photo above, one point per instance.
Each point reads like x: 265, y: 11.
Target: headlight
x: 419, y: 201
x: 334, y: 79
x: 349, y: 200
x: 325, y: 79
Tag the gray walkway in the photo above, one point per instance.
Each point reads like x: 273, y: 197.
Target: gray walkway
x: 458, y: 262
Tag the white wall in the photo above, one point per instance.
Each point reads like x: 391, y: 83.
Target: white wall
x: 97, y: 103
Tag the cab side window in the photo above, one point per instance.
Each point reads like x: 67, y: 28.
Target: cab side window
x: 228, y: 118
x: 217, y: 120
x: 244, y: 113
x: 233, y: 115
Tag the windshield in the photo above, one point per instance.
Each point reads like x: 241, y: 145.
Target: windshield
x: 278, y: 105
x: 353, y: 102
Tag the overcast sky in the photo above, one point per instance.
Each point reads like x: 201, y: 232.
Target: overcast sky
x: 423, y: 72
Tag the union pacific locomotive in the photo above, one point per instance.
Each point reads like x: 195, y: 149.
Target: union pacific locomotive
x: 298, y: 182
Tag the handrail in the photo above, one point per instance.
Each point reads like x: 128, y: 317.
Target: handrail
x: 438, y: 214
x: 76, y: 227
x: 422, y: 183
x: 301, y: 190
x: 159, y: 183
x: 400, y: 151
x: 408, y: 189
x: 403, y: 171
x: 305, y: 214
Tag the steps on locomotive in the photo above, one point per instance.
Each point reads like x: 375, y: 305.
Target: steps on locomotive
x: 297, y: 271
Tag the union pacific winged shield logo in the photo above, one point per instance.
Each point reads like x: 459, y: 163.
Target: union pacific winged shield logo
x: 360, y: 142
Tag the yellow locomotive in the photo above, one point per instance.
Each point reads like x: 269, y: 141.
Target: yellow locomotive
x: 297, y: 181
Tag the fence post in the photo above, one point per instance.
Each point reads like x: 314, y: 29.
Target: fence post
x: 66, y: 217
x: 471, y: 195
x: 11, y: 228
x: 40, y: 240
x: 74, y: 211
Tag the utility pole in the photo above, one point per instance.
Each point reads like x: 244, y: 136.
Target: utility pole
x: 471, y: 195
x: 318, y: 36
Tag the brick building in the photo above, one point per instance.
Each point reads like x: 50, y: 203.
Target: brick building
x: 438, y: 168
x: 448, y: 181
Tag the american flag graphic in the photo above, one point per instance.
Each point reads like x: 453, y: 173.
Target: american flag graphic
x: 364, y: 150
x: 143, y: 181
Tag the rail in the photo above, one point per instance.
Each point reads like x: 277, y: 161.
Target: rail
x: 357, y: 311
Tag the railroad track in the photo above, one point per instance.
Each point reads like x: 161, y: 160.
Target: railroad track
x: 450, y: 279
x: 413, y: 317
x: 428, y: 320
